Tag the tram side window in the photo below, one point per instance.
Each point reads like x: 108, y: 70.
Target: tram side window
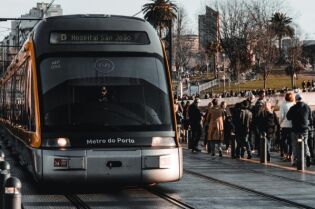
x: 1, y: 100
x: 3, y: 110
x: 30, y: 104
x: 13, y: 93
x: 7, y: 103
x: 19, y: 95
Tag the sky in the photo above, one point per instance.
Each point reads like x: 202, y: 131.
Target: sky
x: 302, y: 11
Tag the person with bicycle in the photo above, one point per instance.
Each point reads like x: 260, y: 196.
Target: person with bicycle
x: 301, y: 116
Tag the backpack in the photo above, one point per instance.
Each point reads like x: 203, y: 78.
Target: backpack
x: 270, y: 122
x: 179, y: 117
x: 258, y: 110
x: 244, y: 121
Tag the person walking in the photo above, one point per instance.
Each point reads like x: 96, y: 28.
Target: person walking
x: 179, y: 116
x: 303, y: 84
x: 195, y: 124
x: 206, y: 121
x: 242, y: 130
x: 301, y: 116
x: 257, y: 124
x: 269, y: 123
x: 286, y: 127
x: 215, y: 131
x: 185, y: 122
x: 228, y: 126
x: 308, y: 85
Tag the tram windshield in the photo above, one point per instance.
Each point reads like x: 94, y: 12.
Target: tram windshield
x: 105, y: 93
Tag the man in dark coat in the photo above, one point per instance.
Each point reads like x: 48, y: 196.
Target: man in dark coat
x: 195, y: 124
x: 242, y: 129
x: 301, y: 116
x: 257, y: 123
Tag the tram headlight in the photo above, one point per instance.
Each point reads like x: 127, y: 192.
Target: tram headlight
x: 163, y: 142
x: 60, y: 142
x: 63, y: 142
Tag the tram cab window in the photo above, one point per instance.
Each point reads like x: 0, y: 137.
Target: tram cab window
x: 114, y: 93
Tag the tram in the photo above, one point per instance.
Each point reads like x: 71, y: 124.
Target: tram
x: 88, y: 99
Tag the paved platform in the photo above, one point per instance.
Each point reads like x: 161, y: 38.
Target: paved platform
x: 276, y: 160
x: 208, y: 182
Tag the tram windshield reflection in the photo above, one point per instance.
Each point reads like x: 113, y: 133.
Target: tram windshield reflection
x: 105, y: 93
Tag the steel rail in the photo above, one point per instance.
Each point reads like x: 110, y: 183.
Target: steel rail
x: 77, y: 201
x: 169, y: 198
x: 258, y: 172
x: 262, y: 194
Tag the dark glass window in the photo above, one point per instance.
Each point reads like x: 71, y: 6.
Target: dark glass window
x: 105, y: 93
x: 8, y: 104
x: 19, y: 96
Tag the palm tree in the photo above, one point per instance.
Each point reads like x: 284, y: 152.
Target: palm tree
x: 159, y: 13
x: 280, y: 25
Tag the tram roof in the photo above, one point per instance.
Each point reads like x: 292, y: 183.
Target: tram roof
x: 84, y: 23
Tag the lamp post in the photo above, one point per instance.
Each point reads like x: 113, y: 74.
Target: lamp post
x: 223, y: 73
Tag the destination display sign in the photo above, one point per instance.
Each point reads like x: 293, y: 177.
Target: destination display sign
x: 100, y: 37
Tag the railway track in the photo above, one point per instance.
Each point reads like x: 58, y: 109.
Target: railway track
x: 76, y: 201
x: 254, y: 171
x: 170, y: 199
x: 238, y: 187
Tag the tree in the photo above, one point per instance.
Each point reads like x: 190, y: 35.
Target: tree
x: 182, y: 42
x: 280, y: 24
x: 263, y: 35
x: 234, y: 34
x: 297, y: 61
x: 159, y: 13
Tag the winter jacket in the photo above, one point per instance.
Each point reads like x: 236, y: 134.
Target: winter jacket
x: 257, y: 111
x: 194, y: 115
x: 244, y: 123
x: 301, y: 116
x: 216, y: 126
x: 269, y: 123
x: 283, y: 114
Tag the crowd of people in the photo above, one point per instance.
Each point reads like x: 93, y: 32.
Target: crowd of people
x: 307, y: 86
x: 247, y: 122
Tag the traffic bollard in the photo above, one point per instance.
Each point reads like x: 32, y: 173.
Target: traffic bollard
x: 190, y: 140
x: 186, y: 136
x: 300, y: 162
x: 180, y: 139
x: 12, y: 193
x: 4, y: 175
x: 263, y: 148
x: 2, y: 155
x: 233, y: 145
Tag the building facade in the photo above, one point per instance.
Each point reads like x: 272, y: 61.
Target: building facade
x: 208, y: 26
x: 20, y: 29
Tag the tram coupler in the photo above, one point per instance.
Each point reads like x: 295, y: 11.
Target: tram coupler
x: 263, y: 148
x: 12, y: 193
x: 300, y: 162
x: 4, y: 175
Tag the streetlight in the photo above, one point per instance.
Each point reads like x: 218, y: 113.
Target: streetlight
x: 223, y: 73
